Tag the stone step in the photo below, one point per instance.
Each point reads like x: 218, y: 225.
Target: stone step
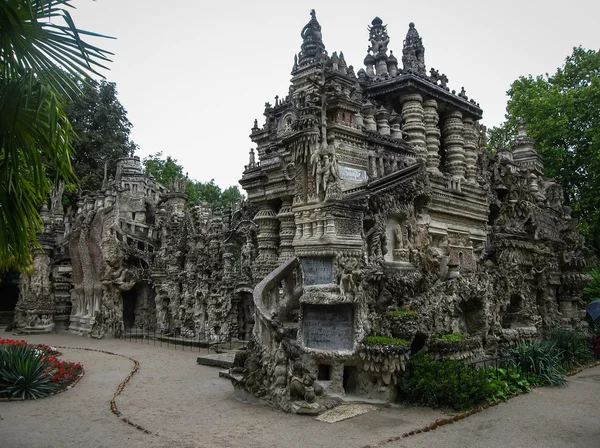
x: 223, y: 360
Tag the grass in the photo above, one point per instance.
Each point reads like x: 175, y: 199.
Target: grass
x: 452, y: 337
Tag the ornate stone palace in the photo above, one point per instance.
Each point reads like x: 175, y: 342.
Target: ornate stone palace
x: 374, y: 209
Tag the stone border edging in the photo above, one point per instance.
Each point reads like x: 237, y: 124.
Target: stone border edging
x: 113, y: 404
x: 444, y: 421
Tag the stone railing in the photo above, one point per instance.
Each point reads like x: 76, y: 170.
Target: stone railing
x: 273, y: 297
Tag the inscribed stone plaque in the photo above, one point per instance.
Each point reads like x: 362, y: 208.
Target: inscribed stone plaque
x: 352, y: 174
x: 317, y: 270
x: 329, y: 327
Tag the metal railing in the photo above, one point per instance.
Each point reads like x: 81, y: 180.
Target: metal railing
x: 209, y: 342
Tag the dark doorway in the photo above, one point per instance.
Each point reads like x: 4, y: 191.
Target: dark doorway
x: 129, y: 306
x: 350, y: 379
x: 9, y: 295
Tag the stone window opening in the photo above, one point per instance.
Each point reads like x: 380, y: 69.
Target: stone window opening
x: 461, y: 260
x: 324, y: 372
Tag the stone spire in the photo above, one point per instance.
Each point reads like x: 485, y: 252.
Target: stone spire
x: 413, y: 53
x: 524, y: 154
x: 312, y: 46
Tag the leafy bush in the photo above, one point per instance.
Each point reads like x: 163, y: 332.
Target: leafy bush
x: 592, y: 290
x: 384, y: 340
x: 503, y: 383
x: 25, y: 373
x: 540, y: 358
x: 403, y: 312
x: 452, y: 337
x: 442, y: 383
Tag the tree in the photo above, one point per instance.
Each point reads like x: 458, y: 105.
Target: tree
x: 562, y: 113
x: 42, y: 57
x: 102, y: 131
x: 209, y: 193
x: 163, y: 170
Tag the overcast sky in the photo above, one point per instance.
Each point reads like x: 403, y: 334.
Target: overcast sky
x: 193, y: 75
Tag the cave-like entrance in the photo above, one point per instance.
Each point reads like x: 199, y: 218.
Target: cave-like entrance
x: 9, y: 295
x: 139, y: 308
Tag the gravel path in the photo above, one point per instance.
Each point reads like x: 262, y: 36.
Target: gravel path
x: 187, y: 405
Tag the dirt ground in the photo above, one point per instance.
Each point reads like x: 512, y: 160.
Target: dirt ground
x: 188, y: 405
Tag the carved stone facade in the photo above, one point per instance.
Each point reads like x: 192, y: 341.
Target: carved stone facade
x: 373, y: 192
x: 133, y: 257
x: 397, y: 204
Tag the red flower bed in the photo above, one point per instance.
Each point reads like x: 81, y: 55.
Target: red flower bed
x: 56, y: 374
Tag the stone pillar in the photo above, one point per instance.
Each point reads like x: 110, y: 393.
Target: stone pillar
x: 268, y: 239
x: 432, y: 135
x: 414, y: 126
x: 382, y: 117
x: 287, y: 230
x: 454, y: 143
x: 470, y: 150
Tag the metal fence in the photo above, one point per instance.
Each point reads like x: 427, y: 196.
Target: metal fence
x: 201, y: 341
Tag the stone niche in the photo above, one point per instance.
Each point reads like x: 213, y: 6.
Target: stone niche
x: 328, y: 327
x: 397, y: 241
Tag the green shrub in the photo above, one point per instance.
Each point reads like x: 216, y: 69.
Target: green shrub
x: 539, y: 358
x: 403, y: 312
x: 442, y: 383
x: 384, y: 340
x: 504, y: 383
x: 452, y: 337
x: 592, y: 290
x: 25, y: 373
x: 575, y: 348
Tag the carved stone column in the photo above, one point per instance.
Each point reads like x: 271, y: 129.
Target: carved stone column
x: 287, y: 230
x: 414, y: 126
x: 268, y: 239
x: 454, y: 143
x: 432, y: 135
x: 470, y: 150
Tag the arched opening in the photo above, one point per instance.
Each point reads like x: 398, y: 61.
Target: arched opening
x: 512, y: 315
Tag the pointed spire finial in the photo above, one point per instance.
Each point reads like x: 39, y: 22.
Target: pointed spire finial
x: 413, y: 53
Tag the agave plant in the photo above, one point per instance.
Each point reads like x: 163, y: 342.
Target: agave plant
x: 42, y: 59
x: 540, y: 358
x: 24, y: 373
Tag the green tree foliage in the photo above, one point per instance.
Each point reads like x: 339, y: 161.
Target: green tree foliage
x: 101, y: 132
x: 42, y: 57
x: 163, y: 170
x: 562, y: 112
x: 166, y: 170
